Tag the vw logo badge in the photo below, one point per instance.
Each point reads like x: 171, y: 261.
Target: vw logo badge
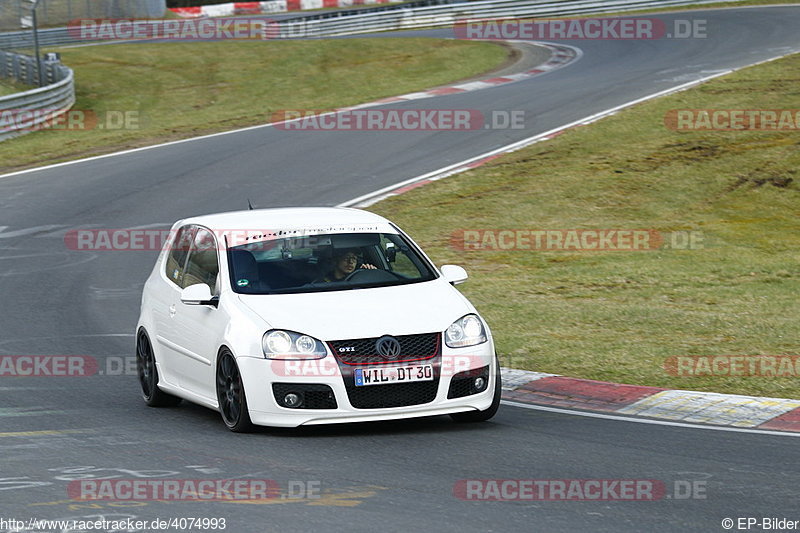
x: 388, y: 347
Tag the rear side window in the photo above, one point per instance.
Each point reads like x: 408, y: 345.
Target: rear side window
x: 202, y: 266
x: 179, y: 250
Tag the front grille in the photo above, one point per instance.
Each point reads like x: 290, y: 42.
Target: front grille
x: 395, y: 395
x: 315, y: 396
x: 364, y: 352
x: 462, y: 383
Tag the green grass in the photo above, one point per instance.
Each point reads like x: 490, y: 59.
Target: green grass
x: 181, y: 90
x: 10, y: 87
x: 618, y: 316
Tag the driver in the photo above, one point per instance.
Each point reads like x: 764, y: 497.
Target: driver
x: 345, y: 263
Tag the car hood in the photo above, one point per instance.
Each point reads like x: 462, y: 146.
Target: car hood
x: 363, y: 313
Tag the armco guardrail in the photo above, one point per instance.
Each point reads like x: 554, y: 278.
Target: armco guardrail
x: 61, y: 36
x: 16, y: 14
x: 399, y: 17
x: 438, y: 16
x: 24, y: 112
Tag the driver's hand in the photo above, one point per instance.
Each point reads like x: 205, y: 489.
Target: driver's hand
x: 366, y: 265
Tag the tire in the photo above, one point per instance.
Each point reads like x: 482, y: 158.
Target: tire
x: 489, y: 412
x: 230, y: 394
x: 148, y: 375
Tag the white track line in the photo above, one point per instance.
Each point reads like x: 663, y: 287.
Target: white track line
x: 547, y: 67
x: 369, y: 198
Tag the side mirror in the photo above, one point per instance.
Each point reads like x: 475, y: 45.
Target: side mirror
x: 454, y: 274
x: 198, y: 294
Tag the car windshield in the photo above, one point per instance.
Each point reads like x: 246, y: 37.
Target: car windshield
x: 327, y: 262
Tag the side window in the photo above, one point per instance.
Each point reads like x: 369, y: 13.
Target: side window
x: 176, y: 259
x: 202, y: 266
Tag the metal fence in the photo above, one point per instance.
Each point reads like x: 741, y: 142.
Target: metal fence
x: 399, y: 17
x: 442, y: 16
x: 15, y: 14
x: 27, y: 111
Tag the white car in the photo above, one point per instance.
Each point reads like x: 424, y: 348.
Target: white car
x: 299, y: 316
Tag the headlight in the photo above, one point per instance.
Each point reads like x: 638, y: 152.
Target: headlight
x: 279, y: 344
x: 466, y: 331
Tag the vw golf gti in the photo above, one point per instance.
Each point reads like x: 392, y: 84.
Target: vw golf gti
x: 299, y: 316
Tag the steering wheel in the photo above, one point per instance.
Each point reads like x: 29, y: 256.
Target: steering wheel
x: 353, y: 274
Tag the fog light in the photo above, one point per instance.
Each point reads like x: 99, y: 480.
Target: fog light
x: 292, y: 400
x: 479, y: 384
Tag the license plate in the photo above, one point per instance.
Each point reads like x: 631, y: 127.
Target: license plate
x: 393, y: 374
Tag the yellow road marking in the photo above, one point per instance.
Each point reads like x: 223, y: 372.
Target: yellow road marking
x: 43, y: 432
x: 340, y: 499
x: 329, y: 499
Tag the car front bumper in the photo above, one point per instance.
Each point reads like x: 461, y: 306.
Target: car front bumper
x: 258, y: 375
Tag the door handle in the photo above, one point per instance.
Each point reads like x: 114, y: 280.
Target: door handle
x: 172, y: 310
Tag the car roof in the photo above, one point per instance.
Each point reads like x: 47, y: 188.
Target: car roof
x: 287, y: 217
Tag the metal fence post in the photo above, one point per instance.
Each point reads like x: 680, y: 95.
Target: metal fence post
x: 36, y: 44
